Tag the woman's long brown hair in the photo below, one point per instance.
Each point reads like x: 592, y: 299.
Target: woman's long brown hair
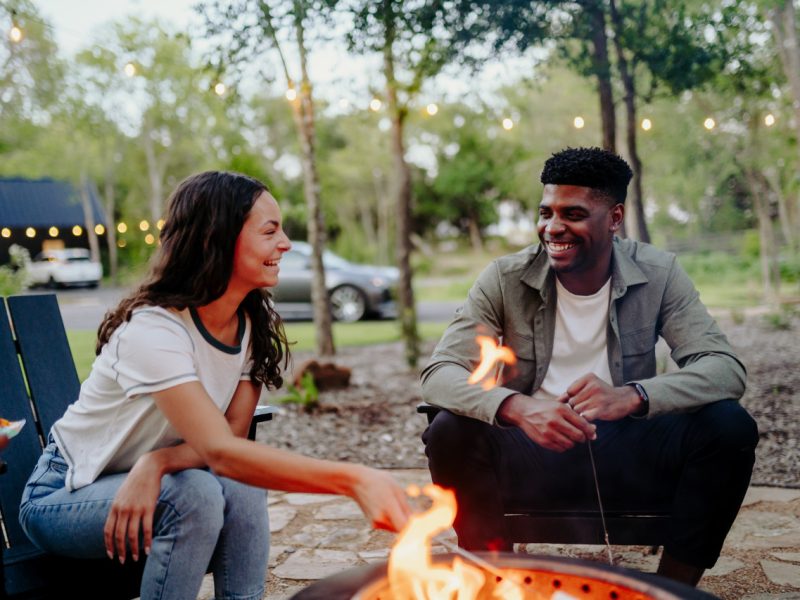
x: 194, y: 263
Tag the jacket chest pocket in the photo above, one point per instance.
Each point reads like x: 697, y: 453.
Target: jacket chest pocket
x: 520, y: 376
x: 638, y: 354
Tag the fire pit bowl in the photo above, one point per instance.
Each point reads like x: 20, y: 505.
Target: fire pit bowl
x: 540, y: 578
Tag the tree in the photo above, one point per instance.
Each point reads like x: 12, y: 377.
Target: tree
x: 256, y: 24
x: 413, y: 39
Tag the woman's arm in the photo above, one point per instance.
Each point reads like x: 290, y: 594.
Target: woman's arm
x: 135, y: 501
x: 194, y: 416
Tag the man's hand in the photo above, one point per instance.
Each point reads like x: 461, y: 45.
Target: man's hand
x: 132, y: 510
x: 551, y: 424
x: 594, y: 399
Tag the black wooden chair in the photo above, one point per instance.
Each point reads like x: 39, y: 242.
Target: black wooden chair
x: 645, y: 526
x: 38, y: 381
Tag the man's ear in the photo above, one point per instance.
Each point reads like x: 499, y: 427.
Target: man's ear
x: 617, y: 215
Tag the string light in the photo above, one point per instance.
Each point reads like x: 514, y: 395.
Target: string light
x: 15, y: 34
x: 149, y: 239
x: 508, y: 124
x: 30, y: 232
x: 647, y: 124
x: 769, y: 120
x: 77, y: 230
x: 220, y: 89
x: 122, y: 243
x: 375, y: 104
x: 99, y: 229
x: 122, y: 227
x: 53, y: 231
x: 709, y: 123
x: 144, y: 225
x: 291, y: 94
x: 432, y: 109
x: 160, y: 224
x: 5, y: 232
x: 129, y: 69
x: 578, y: 122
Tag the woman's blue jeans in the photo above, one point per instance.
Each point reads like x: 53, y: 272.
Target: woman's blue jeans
x: 201, y: 522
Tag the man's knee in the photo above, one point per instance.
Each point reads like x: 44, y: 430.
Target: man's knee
x: 452, y: 433
x: 729, y: 425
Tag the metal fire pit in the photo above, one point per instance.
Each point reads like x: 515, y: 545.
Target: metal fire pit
x: 540, y: 576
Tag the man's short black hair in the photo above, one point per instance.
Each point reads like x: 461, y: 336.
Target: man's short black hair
x: 594, y: 168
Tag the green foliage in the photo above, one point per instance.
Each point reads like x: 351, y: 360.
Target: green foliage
x: 780, y: 320
x: 306, y: 395
x: 14, y: 276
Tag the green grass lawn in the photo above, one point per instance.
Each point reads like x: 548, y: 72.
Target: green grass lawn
x: 363, y: 333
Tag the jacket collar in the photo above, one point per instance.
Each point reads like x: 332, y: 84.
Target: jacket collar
x: 624, y: 271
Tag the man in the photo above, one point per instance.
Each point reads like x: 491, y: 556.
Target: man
x: 582, y: 311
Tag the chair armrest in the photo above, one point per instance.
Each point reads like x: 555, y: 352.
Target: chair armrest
x: 429, y: 410
x: 263, y: 413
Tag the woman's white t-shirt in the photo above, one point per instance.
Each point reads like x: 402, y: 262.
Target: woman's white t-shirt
x: 116, y: 420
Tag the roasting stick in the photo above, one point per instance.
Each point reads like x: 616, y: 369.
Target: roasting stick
x: 476, y: 559
x: 600, y: 503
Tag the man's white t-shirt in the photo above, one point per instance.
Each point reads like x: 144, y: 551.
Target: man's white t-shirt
x: 580, y: 341
x: 115, y: 419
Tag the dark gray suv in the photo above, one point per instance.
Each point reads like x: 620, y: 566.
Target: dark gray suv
x: 355, y: 291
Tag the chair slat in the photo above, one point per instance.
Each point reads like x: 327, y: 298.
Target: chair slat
x: 46, y: 355
x: 24, y: 450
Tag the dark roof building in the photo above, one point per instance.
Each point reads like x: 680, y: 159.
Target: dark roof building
x: 33, y: 211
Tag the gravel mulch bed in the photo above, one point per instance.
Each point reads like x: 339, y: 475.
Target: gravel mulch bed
x: 374, y: 420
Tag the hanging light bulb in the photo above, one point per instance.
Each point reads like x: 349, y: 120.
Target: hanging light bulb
x: 77, y: 230
x: 375, y: 104
x: 647, y: 124
x: 291, y: 94
x: 129, y: 69
x: 99, y: 229
x: 432, y: 109
x: 508, y: 124
x: 5, y: 232
x: 30, y: 232
x: 220, y: 89
x: 578, y: 122
x: 15, y: 34
x: 122, y: 227
x: 769, y: 120
x: 709, y: 123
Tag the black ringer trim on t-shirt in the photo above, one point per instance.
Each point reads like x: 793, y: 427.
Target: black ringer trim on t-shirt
x: 214, y: 341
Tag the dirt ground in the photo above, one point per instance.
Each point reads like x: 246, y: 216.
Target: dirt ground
x: 374, y: 420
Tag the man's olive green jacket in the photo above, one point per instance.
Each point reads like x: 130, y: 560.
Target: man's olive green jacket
x: 514, y: 300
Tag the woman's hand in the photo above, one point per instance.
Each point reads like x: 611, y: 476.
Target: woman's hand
x: 132, y: 510
x: 381, y: 499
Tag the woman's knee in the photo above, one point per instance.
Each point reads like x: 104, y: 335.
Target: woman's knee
x: 192, y: 500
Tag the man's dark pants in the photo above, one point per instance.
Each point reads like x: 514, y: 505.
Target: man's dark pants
x: 696, y: 465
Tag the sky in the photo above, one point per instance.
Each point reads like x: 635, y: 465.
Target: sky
x: 336, y: 75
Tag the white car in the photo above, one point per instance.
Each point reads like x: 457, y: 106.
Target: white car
x: 67, y: 266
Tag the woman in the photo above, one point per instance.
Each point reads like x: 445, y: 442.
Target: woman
x: 153, y: 458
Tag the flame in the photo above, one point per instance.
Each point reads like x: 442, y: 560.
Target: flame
x: 412, y: 574
x: 491, y: 354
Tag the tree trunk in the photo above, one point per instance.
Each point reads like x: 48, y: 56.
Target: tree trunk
x: 88, y: 218
x: 407, y: 308
x: 111, y: 230
x: 635, y: 204
x: 784, y: 29
x: 154, y: 174
x: 602, y: 68
x: 768, y: 248
x: 474, y: 233
x: 304, y: 115
x: 785, y: 216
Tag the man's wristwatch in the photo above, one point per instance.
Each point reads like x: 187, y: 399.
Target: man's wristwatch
x: 642, y: 412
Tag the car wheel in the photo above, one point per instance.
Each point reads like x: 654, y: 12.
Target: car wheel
x: 52, y: 283
x: 348, y: 304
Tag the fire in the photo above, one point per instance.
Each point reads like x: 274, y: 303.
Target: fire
x: 491, y: 355
x: 412, y: 574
